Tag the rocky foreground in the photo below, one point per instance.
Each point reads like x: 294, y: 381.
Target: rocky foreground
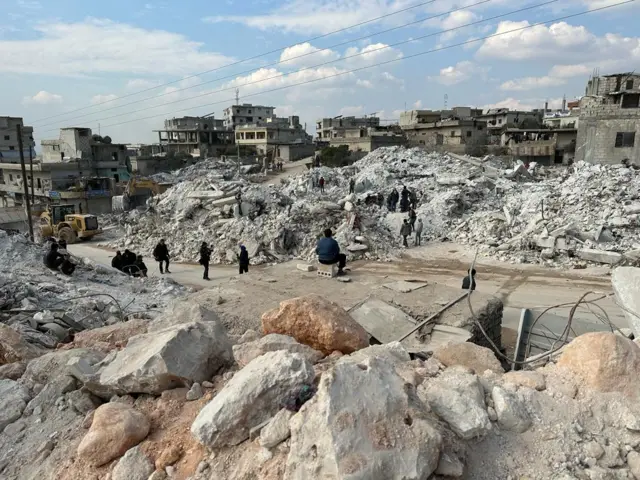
x: 178, y: 397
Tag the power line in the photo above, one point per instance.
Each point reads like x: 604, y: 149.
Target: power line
x: 368, y: 52
x: 474, y: 40
x: 381, y: 17
x: 245, y: 72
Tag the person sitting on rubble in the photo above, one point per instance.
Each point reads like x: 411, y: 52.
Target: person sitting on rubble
x: 466, y: 281
x: 62, y: 247
x: 405, y: 231
x: 128, y: 262
x: 67, y: 267
x: 53, y: 259
x: 141, y: 269
x: 205, y: 258
x: 243, y: 260
x: 117, y: 261
x: 328, y: 252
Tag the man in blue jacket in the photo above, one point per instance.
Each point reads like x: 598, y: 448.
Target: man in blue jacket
x: 328, y: 252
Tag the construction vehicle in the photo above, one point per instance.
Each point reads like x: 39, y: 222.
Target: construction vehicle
x: 136, y: 193
x: 62, y: 222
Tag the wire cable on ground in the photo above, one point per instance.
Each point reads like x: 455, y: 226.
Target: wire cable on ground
x: 330, y: 62
x: 288, y: 60
x: 382, y: 17
x: 416, y: 55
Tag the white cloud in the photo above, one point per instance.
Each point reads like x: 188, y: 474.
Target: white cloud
x: 417, y: 105
x: 305, y: 54
x: 524, y: 104
x: 102, y: 98
x: 364, y: 83
x: 459, y: 73
x: 29, y: 4
x: 531, y: 83
x: 42, y: 98
x: 560, y: 41
x: 453, y: 22
x: 140, y: 84
x: 370, y: 55
x: 95, y: 45
x: 321, y: 16
x: 353, y: 111
x: 568, y: 71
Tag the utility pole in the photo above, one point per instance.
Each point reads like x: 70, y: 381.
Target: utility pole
x: 234, y: 133
x: 33, y: 197
x: 24, y: 181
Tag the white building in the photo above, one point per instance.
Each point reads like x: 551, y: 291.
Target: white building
x: 246, y: 113
x: 9, y: 149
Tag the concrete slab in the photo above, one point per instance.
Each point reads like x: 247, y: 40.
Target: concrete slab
x: 304, y: 267
x: 599, y: 256
x: 626, y: 285
x: 404, y: 287
x: 387, y: 323
x: 443, y: 335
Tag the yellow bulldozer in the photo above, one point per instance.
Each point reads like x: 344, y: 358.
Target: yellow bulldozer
x: 136, y: 192
x: 62, y: 222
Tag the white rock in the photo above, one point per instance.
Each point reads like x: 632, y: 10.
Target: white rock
x: 176, y: 356
x: 251, y: 397
x: 195, y: 392
x: 362, y: 425
x: 134, y: 465
x: 626, y: 285
x: 458, y: 399
x: 13, y: 401
x: 181, y: 312
x: 246, y: 352
x: 511, y: 412
x: 277, y: 431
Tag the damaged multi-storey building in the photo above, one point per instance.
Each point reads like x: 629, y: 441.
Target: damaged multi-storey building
x: 9, y: 145
x: 199, y: 137
x: 609, y: 128
x: 359, y: 134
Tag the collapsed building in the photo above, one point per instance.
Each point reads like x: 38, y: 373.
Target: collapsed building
x: 578, y: 214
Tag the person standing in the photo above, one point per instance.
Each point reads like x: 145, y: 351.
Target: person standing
x: 418, y: 231
x: 405, y: 231
x: 205, y: 258
x: 412, y: 219
x: 352, y: 185
x: 161, y: 254
x: 243, y: 260
x: 321, y: 183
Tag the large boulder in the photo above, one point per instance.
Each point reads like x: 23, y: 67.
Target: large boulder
x: 317, y: 322
x: 457, y: 398
x: 13, y: 401
x: 112, y: 336
x: 251, y: 397
x: 469, y: 355
x: 116, y: 427
x: 181, y: 312
x: 363, y: 424
x: 13, y: 348
x: 626, y: 285
x: 246, y: 352
x: 174, y: 357
x: 392, y: 352
x: 511, y: 412
x: 605, y: 361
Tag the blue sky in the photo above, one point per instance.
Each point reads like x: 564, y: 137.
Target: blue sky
x: 61, y: 56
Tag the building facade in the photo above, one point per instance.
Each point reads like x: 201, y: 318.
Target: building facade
x: 246, y: 114
x: 461, y: 136
x: 283, y: 138
x: 543, y: 146
x: 329, y: 128
x: 201, y: 137
x: 609, y: 127
x: 367, y: 139
x: 9, y: 145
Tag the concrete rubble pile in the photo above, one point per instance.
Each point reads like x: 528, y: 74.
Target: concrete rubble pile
x: 45, y: 308
x: 587, y: 213
x: 185, y: 400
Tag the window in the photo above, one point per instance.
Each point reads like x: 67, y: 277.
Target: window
x: 499, y: 121
x: 7, y: 137
x: 625, y: 139
x: 630, y: 100
x: 11, y: 147
x: 629, y: 84
x: 10, y: 178
x: 249, y: 111
x: 479, y: 127
x: 56, y: 148
x: 39, y: 183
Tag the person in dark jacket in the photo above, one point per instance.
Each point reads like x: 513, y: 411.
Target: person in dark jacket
x: 405, y: 231
x: 140, y: 269
x: 161, y: 254
x: 321, y: 183
x: 466, y: 281
x: 243, y: 260
x: 128, y: 262
x: 205, y: 258
x: 117, y: 261
x: 53, y: 259
x: 328, y: 252
x: 352, y: 185
x: 67, y: 266
x: 412, y: 219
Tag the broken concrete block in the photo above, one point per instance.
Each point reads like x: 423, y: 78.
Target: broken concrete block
x: 599, y: 256
x: 626, y: 285
x: 304, y: 267
x: 632, y: 209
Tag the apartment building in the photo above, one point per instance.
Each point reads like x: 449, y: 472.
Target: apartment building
x: 201, y: 137
x: 246, y: 114
x: 9, y: 145
x: 328, y: 128
x: 283, y: 138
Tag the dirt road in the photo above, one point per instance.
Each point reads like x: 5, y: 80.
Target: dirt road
x: 518, y: 286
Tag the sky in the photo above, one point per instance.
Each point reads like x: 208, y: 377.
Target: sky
x: 121, y: 67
